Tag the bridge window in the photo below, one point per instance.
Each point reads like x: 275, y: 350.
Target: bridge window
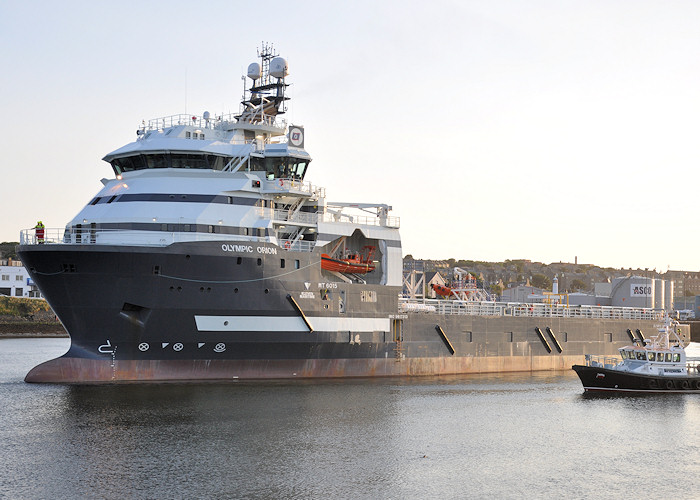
x: 169, y: 160
x: 280, y: 167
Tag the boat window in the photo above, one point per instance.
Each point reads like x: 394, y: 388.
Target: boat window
x: 217, y: 162
x: 668, y: 357
x: 188, y: 161
x: 155, y: 161
x: 652, y: 356
x: 642, y: 356
x: 280, y: 167
x: 676, y: 357
x: 175, y: 160
x: 297, y: 168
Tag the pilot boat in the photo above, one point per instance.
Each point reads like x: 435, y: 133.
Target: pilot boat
x: 657, y: 364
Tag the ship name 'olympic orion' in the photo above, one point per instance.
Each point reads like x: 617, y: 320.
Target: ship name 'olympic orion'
x: 247, y: 249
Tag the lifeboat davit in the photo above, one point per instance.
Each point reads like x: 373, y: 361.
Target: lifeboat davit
x: 354, y: 263
x: 443, y: 291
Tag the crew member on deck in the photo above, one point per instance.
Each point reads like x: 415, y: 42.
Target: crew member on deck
x: 39, y: 229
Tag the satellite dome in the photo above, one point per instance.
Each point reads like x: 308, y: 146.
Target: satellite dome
x: 206, y: 115
x: 254, y: 71
x: 278, y: 67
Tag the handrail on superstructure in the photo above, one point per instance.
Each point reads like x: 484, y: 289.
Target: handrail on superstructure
x: 97, y: 236
x: 218, y: 122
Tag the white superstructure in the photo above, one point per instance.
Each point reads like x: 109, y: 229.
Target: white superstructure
x: 237, y: 178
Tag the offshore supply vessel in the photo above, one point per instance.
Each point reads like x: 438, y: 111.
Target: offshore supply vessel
x: 209, y: 256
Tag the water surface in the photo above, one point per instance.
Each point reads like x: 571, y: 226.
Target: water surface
x: 507, y: 436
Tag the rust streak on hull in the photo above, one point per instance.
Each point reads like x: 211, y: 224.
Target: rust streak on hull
x: 80, y: 370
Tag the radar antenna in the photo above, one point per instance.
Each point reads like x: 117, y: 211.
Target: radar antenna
x: 266, y: 97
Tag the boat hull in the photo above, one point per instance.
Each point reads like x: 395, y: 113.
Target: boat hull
x: 599, y: 379
x: 201, y: 311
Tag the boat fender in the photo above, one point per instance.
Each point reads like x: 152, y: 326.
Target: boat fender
x: 669, y: 384
x: 685, y: 384
x: 697, y: 384
x: 653, y: 384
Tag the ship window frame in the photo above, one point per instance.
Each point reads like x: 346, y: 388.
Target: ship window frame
x: 668, y: 357
x: 183, y: 160
x: 282, y: 263
x: 651, y: 356
x: 676, y: 357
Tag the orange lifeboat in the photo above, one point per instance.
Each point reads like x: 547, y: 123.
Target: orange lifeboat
x: 443, y: 291
x: 353, y: 263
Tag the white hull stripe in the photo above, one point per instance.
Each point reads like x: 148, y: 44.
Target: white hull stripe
x: 289, y: 324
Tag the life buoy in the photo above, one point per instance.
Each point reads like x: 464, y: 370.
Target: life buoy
x: 287, y: 245
x: 669, y: 384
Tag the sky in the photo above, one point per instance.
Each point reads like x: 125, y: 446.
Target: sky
x: 551, y: 131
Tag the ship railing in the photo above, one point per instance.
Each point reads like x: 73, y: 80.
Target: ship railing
x: 306, y: 218
x: 126, y: 237
x: 211, y: 123
x: 488, y: 308
x: 596, y: 361
x: 293, y: 186
x: 297, y: 246
x: 313, y: 218
x: 361, y: 219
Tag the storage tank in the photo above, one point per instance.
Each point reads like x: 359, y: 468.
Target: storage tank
x: 658, y: 294
x: 633, y: 291
x: 668, y: 296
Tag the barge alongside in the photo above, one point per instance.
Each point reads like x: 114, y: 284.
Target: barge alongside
x: 209, y: 256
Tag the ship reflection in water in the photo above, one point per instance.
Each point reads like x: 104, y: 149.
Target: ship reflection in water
x: 515, y: 435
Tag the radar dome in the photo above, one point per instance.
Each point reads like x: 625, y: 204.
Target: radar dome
x: 254, y: 71
x: 278, y: 67
x: 206, y: 115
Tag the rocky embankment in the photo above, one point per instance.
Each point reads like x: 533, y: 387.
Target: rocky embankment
x: 39, y: 324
